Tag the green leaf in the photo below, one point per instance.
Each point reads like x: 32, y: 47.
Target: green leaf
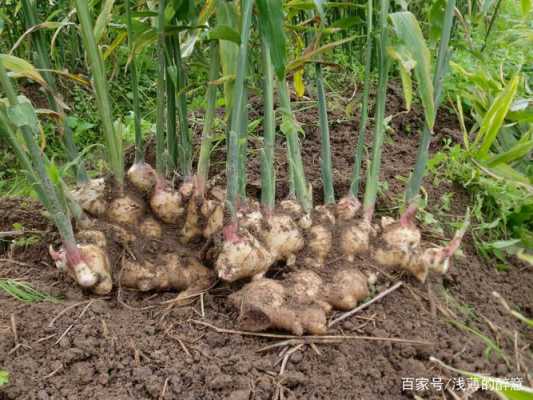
x: 486, y: 6
x: 298, y: 62
x: 493, y: 119
x: 145, y: 39
x: 408, y: 30
x: 503, y: 244
x: 518, y: 151
x: 23, y: 114
x: 119, y: 39
x: 271, y: 23
x: 225, y: 32
x: 526, y: 7
x: 520, y: 116
x: 406, y: 64
x: 185, y: 10
x: 4, y: 377
x: 345, y: 23
x: 299, y: 85
x: 229, y: 51
x: 508, y: 172
x: 103, y: 20
x: 528, y: 258
x: 24, y: 292
x: 436, y: 18
x: 142, y: 14
x: 21, y: 68
x: 54, y: 173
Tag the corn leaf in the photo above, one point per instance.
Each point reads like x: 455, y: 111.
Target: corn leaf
x: 271, y: 23
x: 408, y: 30
x: 503, y: 388
x: 103, y: 20
x: 21, y: 68
x: 493, y: 119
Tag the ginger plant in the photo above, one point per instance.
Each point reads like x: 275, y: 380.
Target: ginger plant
x: 244, y: 238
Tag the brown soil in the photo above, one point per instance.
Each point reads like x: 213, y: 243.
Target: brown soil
x: 131, y: 346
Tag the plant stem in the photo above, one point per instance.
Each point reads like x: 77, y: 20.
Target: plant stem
x: 290, y: 128
x: 356, y: 175
x: 46, y: 190
x: 209, y: 118
x: 491, y: 23
x: 42, y: 61
x: 422, y: 155
x: 268, y: 178
x: 113, y: 141
x: 139, y: 146
x: 160, y: 122
x: 375, y: 165
x: 326, y: 168
x: 9, y: 133
x: 232, y: 171
x: 243, y: 144
x: 185, y: 139
x: 172, y: 138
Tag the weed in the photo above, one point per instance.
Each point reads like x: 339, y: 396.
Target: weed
x: 24, y: 292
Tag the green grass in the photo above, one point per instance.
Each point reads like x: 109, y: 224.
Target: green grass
x: 24, y: 292
x: 4, y: 377
x: 501, y: 209
x: 507, y: 48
